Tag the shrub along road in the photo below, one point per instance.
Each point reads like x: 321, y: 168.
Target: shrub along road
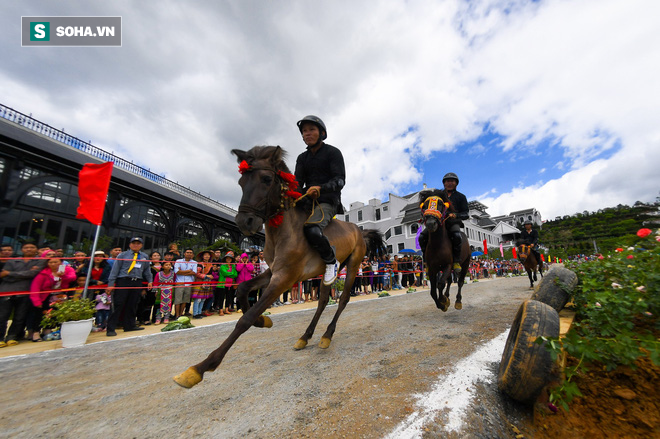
x: 384, y: 353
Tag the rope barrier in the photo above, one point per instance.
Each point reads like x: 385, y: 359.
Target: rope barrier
x: 176, y: 284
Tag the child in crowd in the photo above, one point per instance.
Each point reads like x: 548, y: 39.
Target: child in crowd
x: 254, y: 259
x: 295, y: 293
x: 103, y: 305
x: 80, y: 286
x: 203, y: 290
x: 226, y: 275
x: 244, y: 268
x: 164, y: 283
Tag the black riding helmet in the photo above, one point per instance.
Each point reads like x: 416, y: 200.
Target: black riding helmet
x: 450, y: 175
x: 316, y: 121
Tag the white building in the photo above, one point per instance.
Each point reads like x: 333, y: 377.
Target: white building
x: 517, y: 218
x: 398, y: 220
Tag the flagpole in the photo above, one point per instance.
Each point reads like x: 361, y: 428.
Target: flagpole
x: 91, y: 261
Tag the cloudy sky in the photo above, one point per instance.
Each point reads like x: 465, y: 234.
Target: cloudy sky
x: 549, y: 104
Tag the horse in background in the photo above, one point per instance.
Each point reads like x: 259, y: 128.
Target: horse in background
x: 269, y: 198
x: 438, y: 254
x: 528, y: 259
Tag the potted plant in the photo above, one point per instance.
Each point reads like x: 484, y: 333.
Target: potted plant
x: 76, y: 318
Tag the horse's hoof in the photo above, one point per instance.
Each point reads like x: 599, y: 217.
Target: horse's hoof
x: 268, y: 322
x: 188, y: 378
x: 458, y: 305
x: 300, y: 344
x: 324, y: 343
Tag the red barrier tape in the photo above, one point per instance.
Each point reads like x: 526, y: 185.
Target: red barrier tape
x: 104, y: 286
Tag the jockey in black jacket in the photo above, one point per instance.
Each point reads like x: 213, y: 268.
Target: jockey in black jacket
x: 530, y: 237
x: 454, y: 221
x: 321, y: 175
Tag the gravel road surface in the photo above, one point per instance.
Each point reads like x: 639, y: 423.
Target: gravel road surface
x: 385, y: 354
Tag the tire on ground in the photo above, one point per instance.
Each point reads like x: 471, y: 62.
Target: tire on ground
x: 527, y: 367
x: 556, y: 287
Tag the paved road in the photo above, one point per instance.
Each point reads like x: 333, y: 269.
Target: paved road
x: 384, y: 355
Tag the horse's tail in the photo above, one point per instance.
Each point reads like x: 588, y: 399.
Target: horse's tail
x: 375, y: 243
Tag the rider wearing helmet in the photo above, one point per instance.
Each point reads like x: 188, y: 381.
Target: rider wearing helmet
x: 454, y: 220
x: 530, y: 237
x: 321, y: 175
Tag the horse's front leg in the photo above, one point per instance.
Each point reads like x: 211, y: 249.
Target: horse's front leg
x: 461, y: 281
x: 444, y: 280
x: 531, y: 281
x: 324, y: 294
x: 194, y: 374
x: 244, y: 290
x: 433, y: 279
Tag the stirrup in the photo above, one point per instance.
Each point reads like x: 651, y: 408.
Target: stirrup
x: 457, y: 266
x: 330, y: 273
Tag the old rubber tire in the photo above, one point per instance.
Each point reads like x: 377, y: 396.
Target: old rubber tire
x: 526, y: 367
x: 556, y: 287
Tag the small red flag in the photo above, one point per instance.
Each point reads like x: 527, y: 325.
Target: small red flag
x: 485, y: 248
x: 515, y: 253
x: 93, y: 185
x: 542, y: 258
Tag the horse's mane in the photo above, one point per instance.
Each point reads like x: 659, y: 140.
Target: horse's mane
x: 423, y: 195
x: 275, y: 154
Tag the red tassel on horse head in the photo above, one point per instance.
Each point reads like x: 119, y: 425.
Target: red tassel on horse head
x: 243, y: 166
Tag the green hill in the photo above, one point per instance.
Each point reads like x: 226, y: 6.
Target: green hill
x: 609, y: 228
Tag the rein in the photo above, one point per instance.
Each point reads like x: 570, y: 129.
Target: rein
x: 288, y: 185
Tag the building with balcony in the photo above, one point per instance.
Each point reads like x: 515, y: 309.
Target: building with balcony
x: 398, y: 220
x: 39, y: 168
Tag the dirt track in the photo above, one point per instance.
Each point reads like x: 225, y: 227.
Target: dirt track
x: 384, y: 352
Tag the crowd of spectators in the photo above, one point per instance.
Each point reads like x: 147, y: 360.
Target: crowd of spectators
x: 170, y: 285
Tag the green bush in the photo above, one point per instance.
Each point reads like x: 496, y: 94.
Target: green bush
x: 616, y: 307
x: 68, y: 311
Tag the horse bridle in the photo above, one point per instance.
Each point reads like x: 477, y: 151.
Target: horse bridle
x: 262, y: 207
x: 432, y: 209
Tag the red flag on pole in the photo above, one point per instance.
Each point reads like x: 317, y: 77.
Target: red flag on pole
x: 542, y: 258
x: 93, y: 185
x: 501, y: 249
x: 515, y: 253
x: 485, y: 248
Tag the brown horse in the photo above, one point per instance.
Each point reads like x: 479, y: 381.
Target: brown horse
x: 528, y: 259
x: 438, y: 253
x: 268, y: 198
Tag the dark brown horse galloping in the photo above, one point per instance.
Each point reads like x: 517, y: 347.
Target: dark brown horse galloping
x: 528, y: 259
x: 438, y: 253
x: 268, y: 198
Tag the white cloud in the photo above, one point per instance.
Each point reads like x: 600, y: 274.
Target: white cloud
x: 195, y: 80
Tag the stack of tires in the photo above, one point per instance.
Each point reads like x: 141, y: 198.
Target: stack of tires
x: 527, y: 367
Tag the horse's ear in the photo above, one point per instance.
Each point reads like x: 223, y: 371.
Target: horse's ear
x: 240, y: 154
x: 277, y: 156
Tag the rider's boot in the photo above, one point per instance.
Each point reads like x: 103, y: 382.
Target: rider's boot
x: 320, y: 243
x: 456, y: 241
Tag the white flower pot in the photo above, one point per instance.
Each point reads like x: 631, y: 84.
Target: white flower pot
x: 75, y: 333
